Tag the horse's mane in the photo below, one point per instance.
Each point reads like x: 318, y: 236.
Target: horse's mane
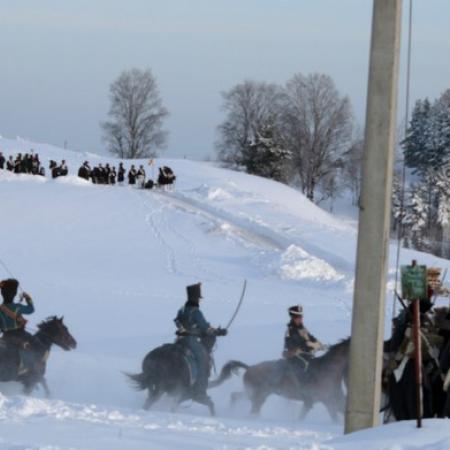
x: 333, y: 349
x: 46, y: 321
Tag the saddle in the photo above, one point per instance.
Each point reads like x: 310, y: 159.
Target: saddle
x: 28, y: 359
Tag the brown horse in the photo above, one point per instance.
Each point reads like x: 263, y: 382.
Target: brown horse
x: 319, y: 381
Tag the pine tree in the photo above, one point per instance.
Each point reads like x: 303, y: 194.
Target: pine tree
x: 264, y: 156
x: 415, y: 143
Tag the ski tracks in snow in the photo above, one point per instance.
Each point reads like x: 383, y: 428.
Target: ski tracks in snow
x: 162, y: 229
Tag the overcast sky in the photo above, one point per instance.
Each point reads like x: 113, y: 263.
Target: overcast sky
x: 58, y: 58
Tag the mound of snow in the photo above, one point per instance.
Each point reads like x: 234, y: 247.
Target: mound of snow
x: 297, y: 264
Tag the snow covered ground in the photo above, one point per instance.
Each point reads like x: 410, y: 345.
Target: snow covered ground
x: 115, y: 262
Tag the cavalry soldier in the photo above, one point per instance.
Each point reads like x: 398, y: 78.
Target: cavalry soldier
x: 299, y: 344
x: 12, y: 323
x: 191, y: 328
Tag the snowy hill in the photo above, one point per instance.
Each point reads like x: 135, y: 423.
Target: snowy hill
x: 115, y: 262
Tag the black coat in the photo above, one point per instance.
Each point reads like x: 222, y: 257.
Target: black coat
x: 121, y: 175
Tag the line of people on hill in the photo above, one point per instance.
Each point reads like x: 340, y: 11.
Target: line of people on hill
x: 28, y: 163
x: 106, y: 174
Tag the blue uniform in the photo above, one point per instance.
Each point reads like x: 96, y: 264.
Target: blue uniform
x: 11, y: 315
x: 192, y: 325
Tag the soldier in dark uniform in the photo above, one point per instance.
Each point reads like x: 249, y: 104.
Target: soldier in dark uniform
x: 112, y: 176
x: 35, y: 163
x: 2, y: 161
x: 84, y: 171
x: 10, y: 164
x: 191, y: 328
x: 299, y: 344
x: 26, y: 163
x: 120, y: 174
x: 107, y: 172
x: 18, y: 163
x: 132, y: 175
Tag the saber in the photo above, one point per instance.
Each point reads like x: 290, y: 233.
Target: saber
x: 238, y: 307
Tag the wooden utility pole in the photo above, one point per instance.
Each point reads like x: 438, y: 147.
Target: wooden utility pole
x: 363, y: 401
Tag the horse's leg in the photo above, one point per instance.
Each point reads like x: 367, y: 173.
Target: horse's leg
x: 28, y: 386
x: 236, y: 396
x: 306, y: 408
x: 258, y: 398
x: 44, y: 384
x: 332, y: 411
x: 153, y: 396
x: 209, y: 403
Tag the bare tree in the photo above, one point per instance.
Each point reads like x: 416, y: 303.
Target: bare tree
x: 136, y: 116
x: 317, y: 128
x: 250, y: 107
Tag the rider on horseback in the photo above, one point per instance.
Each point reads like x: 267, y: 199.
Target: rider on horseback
x: 299, y: 344
x: 12, y: 323
x: 192, y: 331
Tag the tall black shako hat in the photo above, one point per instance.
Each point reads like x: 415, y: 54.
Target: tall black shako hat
x: 8, y: 289
x: 194, y: 293
x: 296, y: 311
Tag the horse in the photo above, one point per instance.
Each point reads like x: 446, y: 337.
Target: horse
x: 166, y: 176
x: 320, y: 380
x: 50, y: 331
x: 167, y: 370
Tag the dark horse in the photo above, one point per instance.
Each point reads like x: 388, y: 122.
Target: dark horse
x: 50, y: 331
x: 167, y: 370
x: 166, y: 176
x: 320, y: 382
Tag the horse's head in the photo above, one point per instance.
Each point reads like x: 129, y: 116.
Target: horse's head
x: 55, y: 329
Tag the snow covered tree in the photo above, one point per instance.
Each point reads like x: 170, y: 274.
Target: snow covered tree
x: 137, y: 114
x: 264, y: 156
x: 437, y: 143
x: 398, y: 203
x: 249, y: 107
x: 416, y: 214
x: 427, y: 142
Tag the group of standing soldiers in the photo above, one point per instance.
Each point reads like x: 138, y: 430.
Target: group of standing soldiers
x: 106, y: 174
x: 28, y: 163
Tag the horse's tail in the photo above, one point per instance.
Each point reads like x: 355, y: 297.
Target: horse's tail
x: 140, y: 381
x: 228, y: 369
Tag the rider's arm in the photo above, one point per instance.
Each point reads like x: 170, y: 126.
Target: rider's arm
x: 314, y: 343
x: 29, y: 307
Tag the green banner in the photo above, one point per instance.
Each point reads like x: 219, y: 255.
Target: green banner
x: 414, y: 282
